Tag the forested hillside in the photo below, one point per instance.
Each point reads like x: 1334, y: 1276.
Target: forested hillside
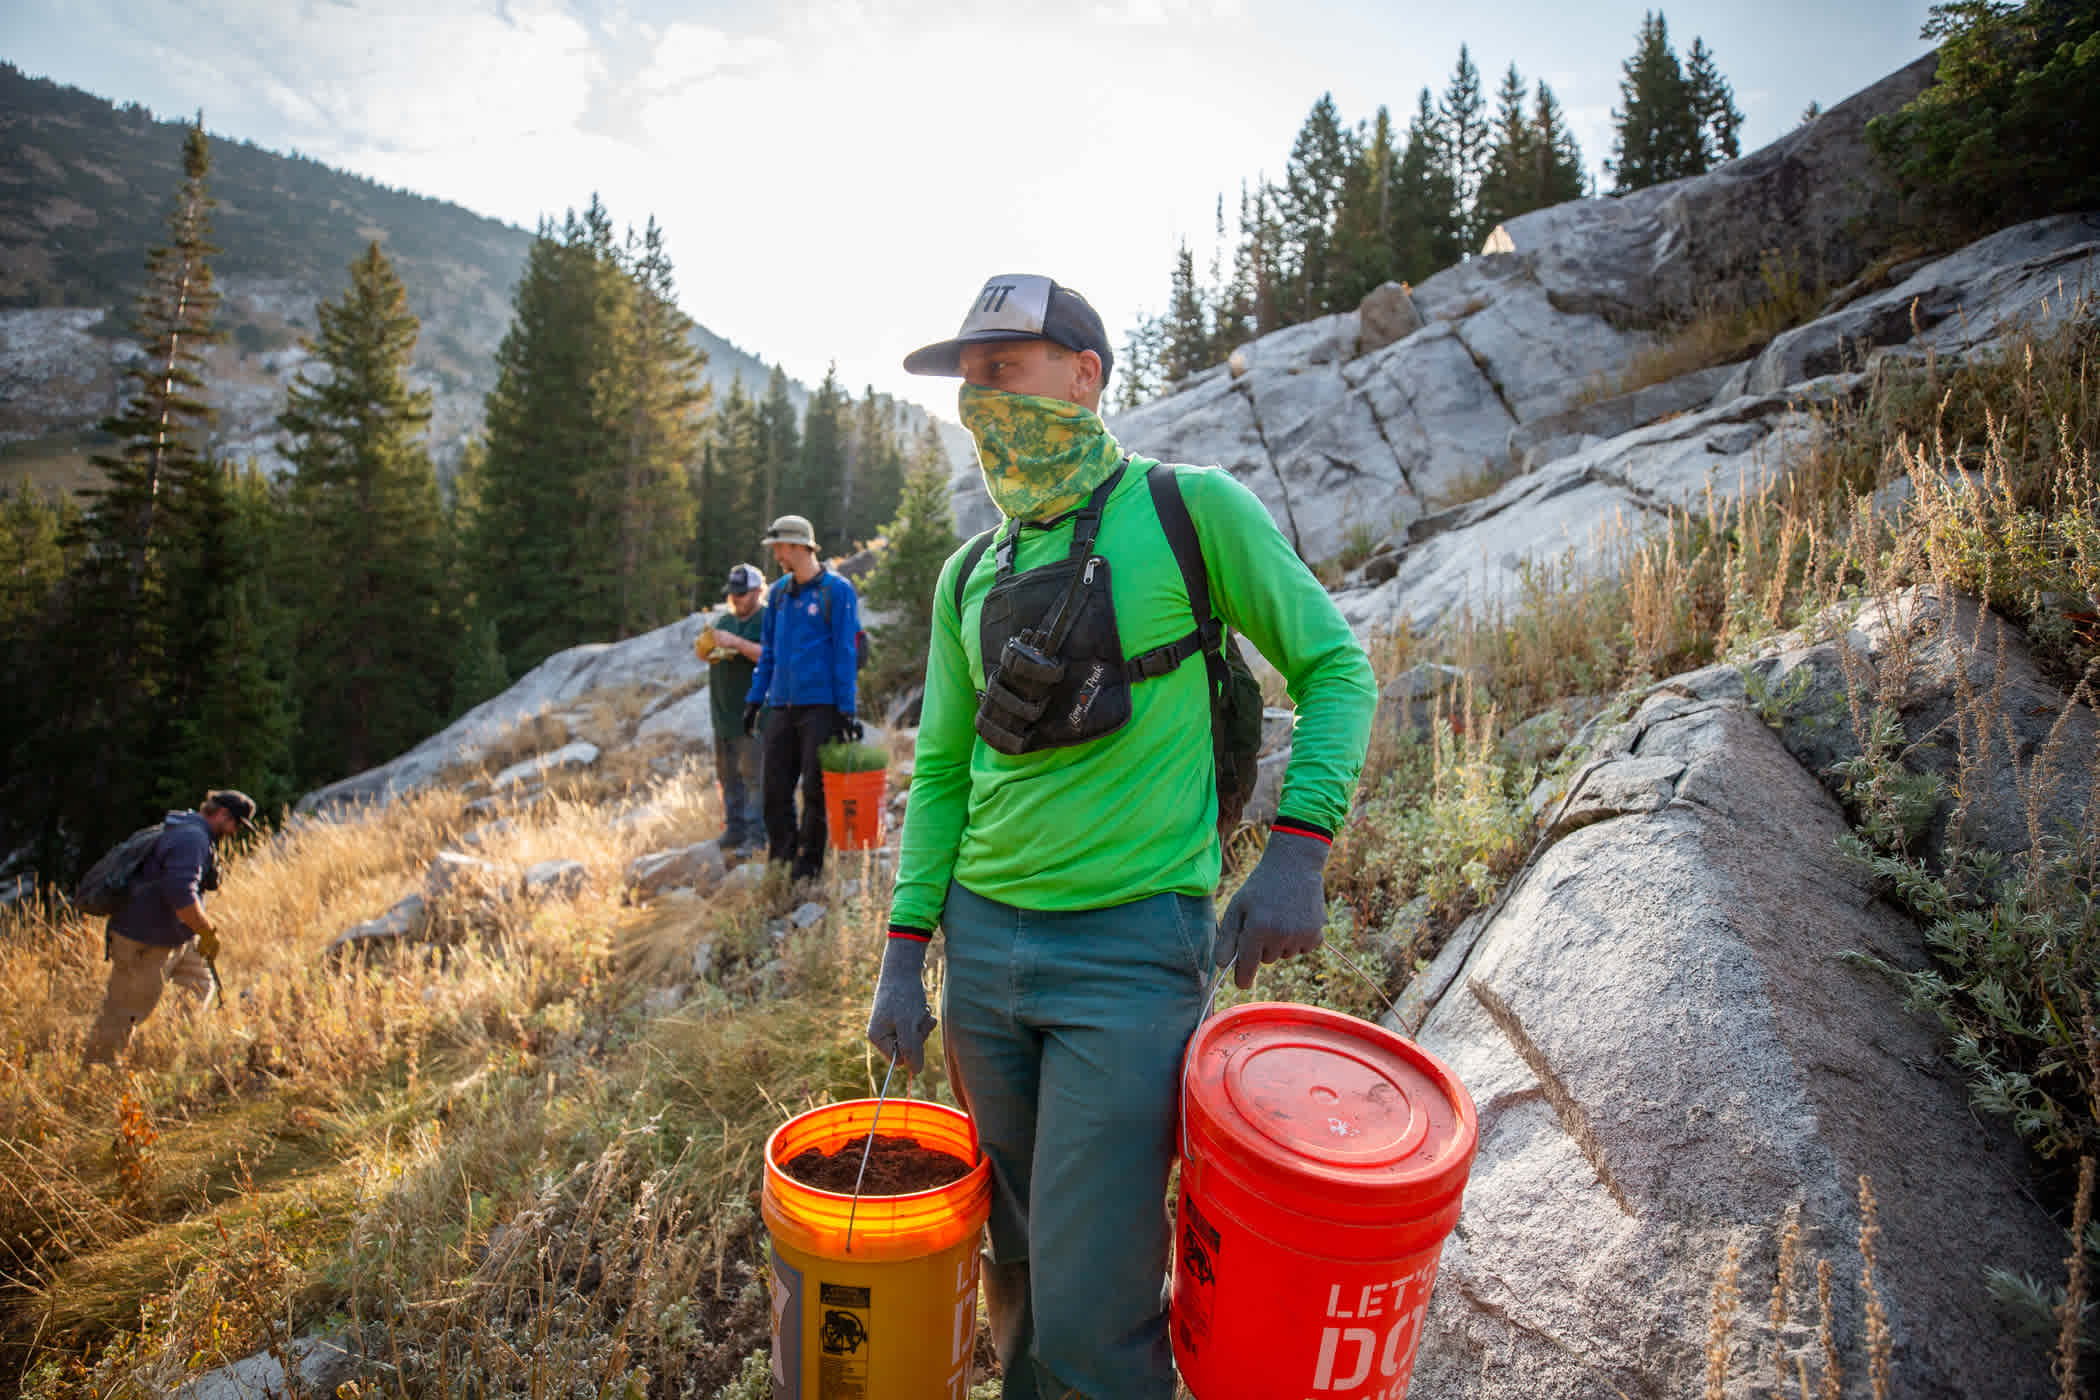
x: 83, y: 189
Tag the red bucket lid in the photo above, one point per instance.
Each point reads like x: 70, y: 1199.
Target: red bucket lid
x: 1332, y: 1109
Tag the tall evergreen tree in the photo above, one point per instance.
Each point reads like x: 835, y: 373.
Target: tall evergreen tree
x: 32, y: 557
x: 875, y: 467
x: 1427, y: 231
x: 1713, y: 107
x: 816, y: 482
x: 656, y: 405
x: 918, y: 542
x: 525, y: 543
x: 1138, y: 379
x: 1510, y: 187
x: 91, y: 690
x: 1557, y: 161
x: 1657, y: 136
x: 375, y: 644
x: 779, y: 450
x: 226, y: 713
x: 1463, y: 127
x: 1188, y: 335
x: 728, y: 503
x: 1310, y: 198
x: 1364, y: 227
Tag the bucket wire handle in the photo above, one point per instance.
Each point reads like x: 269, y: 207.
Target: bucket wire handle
x: 867, y: 1152
x: 1369, y: 981
x: 1210, y: 1002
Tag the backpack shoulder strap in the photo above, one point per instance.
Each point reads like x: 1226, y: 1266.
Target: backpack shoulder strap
x: 972, y: 553
x: 1187, y: 545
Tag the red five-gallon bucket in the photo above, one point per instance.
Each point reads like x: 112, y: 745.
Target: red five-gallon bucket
x: 1322, y: 1163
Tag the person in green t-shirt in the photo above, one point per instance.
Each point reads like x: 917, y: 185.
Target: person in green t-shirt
x: 731, y: 648
x: 1068, y: 852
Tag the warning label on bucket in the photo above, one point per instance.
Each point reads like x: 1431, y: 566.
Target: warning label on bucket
x: 1198, y: 1262
x: 842, y: 1369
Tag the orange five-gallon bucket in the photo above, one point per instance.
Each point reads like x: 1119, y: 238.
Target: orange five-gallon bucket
x: 893, y: 1315
x: 1322, y: 1163
x: 853, y: 808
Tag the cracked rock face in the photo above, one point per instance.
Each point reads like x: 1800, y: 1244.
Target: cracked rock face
x: 1671, y: 1056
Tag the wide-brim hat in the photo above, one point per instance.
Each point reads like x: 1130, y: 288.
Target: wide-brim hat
x: 1019, y: 306
x: 791, y: 529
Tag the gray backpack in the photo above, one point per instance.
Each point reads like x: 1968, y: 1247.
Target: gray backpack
x: 106, y: 887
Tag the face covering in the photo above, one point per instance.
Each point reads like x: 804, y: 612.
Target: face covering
x: 1041, y: 457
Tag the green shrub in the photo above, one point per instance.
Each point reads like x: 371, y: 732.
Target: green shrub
x: 2006, y: 131
x: 839, y: 756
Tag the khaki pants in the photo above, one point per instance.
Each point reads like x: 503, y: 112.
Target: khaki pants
x: 137, y: 972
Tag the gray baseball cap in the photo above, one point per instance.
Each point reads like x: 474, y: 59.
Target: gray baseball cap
x: 1019, y: 306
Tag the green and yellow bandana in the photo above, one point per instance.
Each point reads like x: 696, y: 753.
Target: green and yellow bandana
x: 1040, y: 456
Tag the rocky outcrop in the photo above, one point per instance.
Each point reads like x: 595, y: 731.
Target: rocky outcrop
x: 1673, y: 1056
x: 659, y: 662
x: 1673, y: 250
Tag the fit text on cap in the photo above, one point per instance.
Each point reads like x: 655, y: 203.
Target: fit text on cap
x: 1019, y: 306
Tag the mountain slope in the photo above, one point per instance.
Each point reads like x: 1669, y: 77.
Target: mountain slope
x: 84, y: 187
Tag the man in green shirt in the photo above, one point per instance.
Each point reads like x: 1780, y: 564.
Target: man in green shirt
x: 731, y: 649
x: 1070, y: 857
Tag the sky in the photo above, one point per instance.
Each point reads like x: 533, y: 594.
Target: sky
x: 836, y: 178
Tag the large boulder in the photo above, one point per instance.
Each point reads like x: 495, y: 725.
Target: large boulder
x: 1672, y: 1057
x: 658, y: 661
x: 1385, y: 315
x: 1670, y: 251
x: 698, y: 867
x: 407, y: 921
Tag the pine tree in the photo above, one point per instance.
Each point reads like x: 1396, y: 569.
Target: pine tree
x: 32, y: 558
x: 1427, y: 233
x: 1657, y: 134
x: 1187, y: 331
x: 374, y: 645
x: 1510, y: 187
x: 1262, y: 254
x: 226, y: 714
x: 1713, y: 107
x: 918, y: 542
x: 1558, y: 170
x: 779, y: 449
x: 657, y: 406
x: 728, y: 502
x: 1138, y: 379
x: 875, y: 467
x: 1365, y: 224
x: 524, y: 538
x: 816, y: 483
x: 91, y: 688
x: 1232, y: 309
x: 1462, y: 125
x: 478, y: 673
x: 1310, y: 199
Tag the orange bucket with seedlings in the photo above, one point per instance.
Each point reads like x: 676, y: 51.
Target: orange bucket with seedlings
x: 874, y: 1298
x: 853, y: 805
x: 1323, y: 1161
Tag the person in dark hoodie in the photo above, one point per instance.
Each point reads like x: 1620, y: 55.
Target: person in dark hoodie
x: 161, y: 934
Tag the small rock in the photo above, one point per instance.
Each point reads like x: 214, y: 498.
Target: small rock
x: 488, y: 831
x: 699, y: 867
x: 323, y: 1364
x: 556, y: 879
x: 546, y: 765
x: 405, y: 920
x: 1380, y: 568
x: 807, y: 914
x: 452, y: 872
x: 703, y: 958
x: 744, y: 877
x: 1411, y: 698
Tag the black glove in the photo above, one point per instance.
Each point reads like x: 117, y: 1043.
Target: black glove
x: 1280, y: 912
x: 901, y: 1019
x: 751, y: 709
x: 845, y: 729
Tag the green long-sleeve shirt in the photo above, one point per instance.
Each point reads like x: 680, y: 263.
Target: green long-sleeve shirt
x: 1133, y: 813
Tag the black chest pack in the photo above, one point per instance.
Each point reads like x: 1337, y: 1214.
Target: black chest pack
x: 1055, y: 672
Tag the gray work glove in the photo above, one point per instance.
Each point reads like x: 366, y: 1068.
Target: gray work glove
x: 901, y: 1020
x: 1280, y: 911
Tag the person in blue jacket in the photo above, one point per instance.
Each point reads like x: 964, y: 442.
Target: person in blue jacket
x: 805, y: 683
x: 161, y: 935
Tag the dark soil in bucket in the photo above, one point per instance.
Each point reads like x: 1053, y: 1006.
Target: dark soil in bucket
x: 897, y: 1166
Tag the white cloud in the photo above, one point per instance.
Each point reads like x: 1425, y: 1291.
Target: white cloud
x: 689, y: 53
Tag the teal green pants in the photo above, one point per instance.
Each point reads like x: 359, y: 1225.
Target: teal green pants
x: 1064, y: 1036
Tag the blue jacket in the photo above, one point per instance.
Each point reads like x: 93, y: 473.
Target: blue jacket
x: 177, y: 871
x: 807, y: 657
